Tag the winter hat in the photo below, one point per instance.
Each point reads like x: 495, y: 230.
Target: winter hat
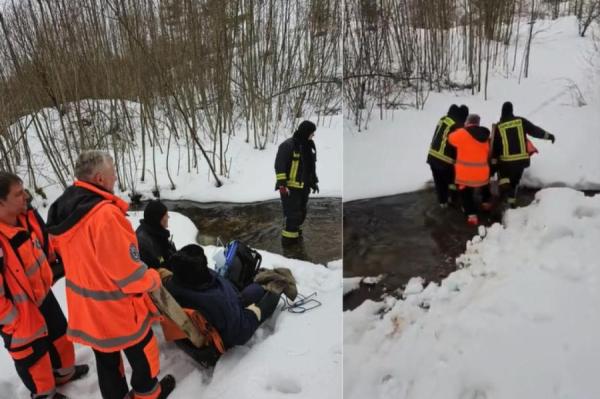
x: 507, y: 110
x: 463, y: 112
x: 189, y: 266
x: 304, y: 130
x: 154, y: 212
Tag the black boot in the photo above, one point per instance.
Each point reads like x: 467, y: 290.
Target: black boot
x: 80, y: 371
x: 267, y: 305
x: 167, y: 385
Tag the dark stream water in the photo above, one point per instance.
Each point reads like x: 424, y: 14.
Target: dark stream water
x: 404, y: 236
x: 259, y: 225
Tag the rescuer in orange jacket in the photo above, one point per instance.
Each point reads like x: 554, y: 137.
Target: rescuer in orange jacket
x: 471, y: 168
x: 32, y: 324
x: 107, y: 283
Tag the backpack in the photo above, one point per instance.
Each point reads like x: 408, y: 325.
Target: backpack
x: 241, y: 264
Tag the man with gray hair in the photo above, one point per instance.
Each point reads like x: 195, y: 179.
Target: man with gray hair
x: 107, y: 284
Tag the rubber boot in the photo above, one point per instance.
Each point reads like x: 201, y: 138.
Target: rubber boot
x: 167, y: 385
x: 80, y: 371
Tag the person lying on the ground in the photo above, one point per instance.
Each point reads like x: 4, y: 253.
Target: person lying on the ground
x: 153, y: 237
x: 235, y: 315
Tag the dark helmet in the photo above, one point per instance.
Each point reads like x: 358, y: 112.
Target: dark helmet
x: 305, y: 129
x: 507, y: 110
x: 453, y: 111
x: 463, y: 112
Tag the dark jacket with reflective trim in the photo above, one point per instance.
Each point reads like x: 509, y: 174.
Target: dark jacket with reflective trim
x: 155, y: 245
x: 106, y: 281
x: 25, y: 281
x: 510, y: 141
x: 441, y: 154
x: 295, y: 164
x: 219, y: 302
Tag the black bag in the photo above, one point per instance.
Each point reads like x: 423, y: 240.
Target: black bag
x: 241, y: 264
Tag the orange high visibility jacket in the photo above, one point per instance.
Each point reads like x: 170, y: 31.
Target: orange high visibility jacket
x: 471, y: 167
x: 106, y: 281
x: 25, y: 281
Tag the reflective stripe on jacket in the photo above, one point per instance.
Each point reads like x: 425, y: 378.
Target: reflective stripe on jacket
x: 439, y: 147
x: 471, y: 167
x: 106, y: 281
x: 25, y: 281
x: 289, y: 164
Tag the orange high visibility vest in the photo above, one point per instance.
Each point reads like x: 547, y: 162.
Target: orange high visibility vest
x: 106, y: 281
x: 471, y: 167
x: 25, y: 281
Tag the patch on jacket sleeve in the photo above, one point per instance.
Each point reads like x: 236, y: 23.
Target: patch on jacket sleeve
x: 134, y: 253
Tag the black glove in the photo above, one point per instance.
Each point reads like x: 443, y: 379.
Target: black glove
x: 315, y: 188
x: 551, y: 137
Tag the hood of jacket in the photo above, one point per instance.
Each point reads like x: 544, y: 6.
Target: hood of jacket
x: 479, y: 133
x: 75, y: 203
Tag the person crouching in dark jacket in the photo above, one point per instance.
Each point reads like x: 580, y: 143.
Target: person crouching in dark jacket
x: 235, y: 315
x: 153, y: 237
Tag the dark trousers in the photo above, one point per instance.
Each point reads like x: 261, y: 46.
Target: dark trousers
x: 443, y: 178
x: 251, y: 294
x: 47, y: 360
x: 508, y: 180
x: 468, y: 198
x: 294, y: 211
x: 144, y: 361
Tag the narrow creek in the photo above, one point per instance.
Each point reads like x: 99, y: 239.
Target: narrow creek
x: 403, y: 236
x: 259, y: 225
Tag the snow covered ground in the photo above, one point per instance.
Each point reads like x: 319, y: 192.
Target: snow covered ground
x: 560, y: 71
x: 519, y: 320
x: 252, y: 176
x: 291, y: 354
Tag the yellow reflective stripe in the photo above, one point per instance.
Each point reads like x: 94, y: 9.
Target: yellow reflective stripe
x: 452, y: 186
x: 31, y: 269
x: 506, y: 155
x: 512, y: 200
x: 448, y: 122
x: 281, y: 176
x: 504, y: 180
x: 108, y: 343
x: 97, y: 295
x: 440, y: 156
x: 515, y: 157
x: 294, y: 170
x: 24, y: 340
x: 290, y: 234
x: 472, y: 164
x: 10, y: 317
x: 294, y: 184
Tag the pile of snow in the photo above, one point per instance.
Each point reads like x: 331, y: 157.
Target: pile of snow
x: 299, y: 354
x: 520, y: 320
x: 551, y: 97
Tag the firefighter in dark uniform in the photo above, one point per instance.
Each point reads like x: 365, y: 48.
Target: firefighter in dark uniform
x: 442, y: 156
x: 295, y: 171
x: 510, y: 155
